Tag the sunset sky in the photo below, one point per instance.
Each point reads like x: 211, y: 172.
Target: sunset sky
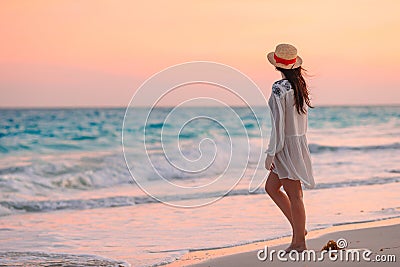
x: 97, y: 53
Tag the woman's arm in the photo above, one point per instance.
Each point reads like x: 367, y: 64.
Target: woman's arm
x: 277, y: 112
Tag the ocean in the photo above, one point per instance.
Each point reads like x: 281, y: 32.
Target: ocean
x: 77, y: 186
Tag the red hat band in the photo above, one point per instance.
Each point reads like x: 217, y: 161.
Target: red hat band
x: 284, y: 61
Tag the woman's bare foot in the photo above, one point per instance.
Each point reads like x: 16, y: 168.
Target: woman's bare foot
x: 291, y: 244
x: 297, y: 247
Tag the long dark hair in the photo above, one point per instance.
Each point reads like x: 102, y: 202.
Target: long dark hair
x: 299, y: 85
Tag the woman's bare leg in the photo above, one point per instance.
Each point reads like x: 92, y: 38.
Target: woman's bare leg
x: 272, y: 187
x: 295, y: 194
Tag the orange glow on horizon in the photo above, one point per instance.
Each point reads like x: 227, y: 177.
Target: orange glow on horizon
x: 53, y: 51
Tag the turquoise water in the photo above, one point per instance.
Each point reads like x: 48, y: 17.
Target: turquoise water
x: 44, y: 151
x: 71, y: 161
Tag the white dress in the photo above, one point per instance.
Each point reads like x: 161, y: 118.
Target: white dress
x: 288, y: 148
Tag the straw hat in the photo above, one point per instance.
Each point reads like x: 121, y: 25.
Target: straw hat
x: 285, y: 56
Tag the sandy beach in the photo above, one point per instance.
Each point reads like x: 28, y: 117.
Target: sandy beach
x: 382, y: 238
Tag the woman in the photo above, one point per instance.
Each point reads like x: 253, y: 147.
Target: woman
x: 288, y: 156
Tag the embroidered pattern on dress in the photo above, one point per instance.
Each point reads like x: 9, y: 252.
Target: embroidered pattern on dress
x: 285, y: 84
x: 276, y: 90
x: 281, y: 83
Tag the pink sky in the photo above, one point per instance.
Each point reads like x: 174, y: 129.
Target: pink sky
x: 97, y: 53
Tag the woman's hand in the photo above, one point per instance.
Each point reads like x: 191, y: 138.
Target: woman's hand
x: 270, y: 167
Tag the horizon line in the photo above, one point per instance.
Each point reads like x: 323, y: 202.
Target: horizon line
x: 171, y: 106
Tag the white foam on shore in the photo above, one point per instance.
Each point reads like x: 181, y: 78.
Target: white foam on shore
x: 42, y: 259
